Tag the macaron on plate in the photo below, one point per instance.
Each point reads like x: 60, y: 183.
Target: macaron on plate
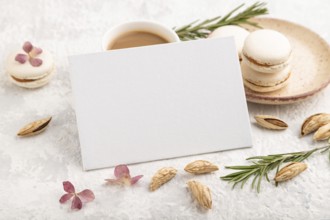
x: 265, y: 66
x: 297, y: 68
x: 235, y: 31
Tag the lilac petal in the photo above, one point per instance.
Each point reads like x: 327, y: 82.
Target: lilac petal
x: 66, y: 197
x: 68, y: 187
x: 35, y: 62
x: 135, y: 179
x: 86, y: 195
x: 21, y: 58
x: 121, y: 171
x: 76, y: 203
x: 27, y: 47
x: 35, y: 51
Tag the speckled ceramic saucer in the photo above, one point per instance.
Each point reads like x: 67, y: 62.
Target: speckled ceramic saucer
x: 310, y: 64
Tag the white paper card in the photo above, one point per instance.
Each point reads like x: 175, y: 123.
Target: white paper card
x: 156, y: 102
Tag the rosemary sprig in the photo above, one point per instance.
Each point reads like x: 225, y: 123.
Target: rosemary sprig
x: 196, y: 30
x: 262, y: 165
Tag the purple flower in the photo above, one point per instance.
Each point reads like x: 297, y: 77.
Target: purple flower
x: 123, y: 176
x: 78, y: 198
x: 32, y: 52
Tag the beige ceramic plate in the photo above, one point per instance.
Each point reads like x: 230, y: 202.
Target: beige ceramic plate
x: 310, y: 64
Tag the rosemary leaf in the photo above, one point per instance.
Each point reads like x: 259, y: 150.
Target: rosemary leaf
x: 241, y: 167
x: 197, y: 30
x: 260, y: 178
x: 254, y: 180
x: 262, y: 165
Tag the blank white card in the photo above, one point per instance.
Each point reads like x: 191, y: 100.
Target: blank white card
x: 156, y: 102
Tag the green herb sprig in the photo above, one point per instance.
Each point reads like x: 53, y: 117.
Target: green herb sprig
x: 262, y: 165
x: 196, y: 30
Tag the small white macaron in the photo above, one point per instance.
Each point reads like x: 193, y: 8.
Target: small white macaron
x: 30, y: 67
x: 235, y: 31
x: 264, y: 79
x: 264, y: 89
x: 267, y: 51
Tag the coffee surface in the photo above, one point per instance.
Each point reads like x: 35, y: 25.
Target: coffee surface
x: 136, y: 39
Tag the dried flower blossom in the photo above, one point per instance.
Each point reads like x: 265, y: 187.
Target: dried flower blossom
x: 32, y: 52
x: 123, y: 176
x: 78, y: 198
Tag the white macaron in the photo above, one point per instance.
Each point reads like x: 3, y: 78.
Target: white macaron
x: 265, y: 89
x: 30, y: 67
x: 262, y: 79
x: 267, y: 51
x: 235, y: 31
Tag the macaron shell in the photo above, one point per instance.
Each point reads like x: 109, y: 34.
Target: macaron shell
x: 235, y: 31
x: 267, y: 47
x: 264, y: 89
x: 262, y: 79
x: 26, y: 70
x: 36, y: 83
x: 265, y: 69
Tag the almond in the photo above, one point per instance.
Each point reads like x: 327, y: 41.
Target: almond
x: 322, y: 133
x: 161, y: 177
x: 289, y: 171
x: 201, y: 193
x: 270, y: 122
x: 35, y: 127
x: 200, y: 167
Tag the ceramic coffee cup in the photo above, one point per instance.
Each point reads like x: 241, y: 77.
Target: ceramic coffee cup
x: 146, y: 26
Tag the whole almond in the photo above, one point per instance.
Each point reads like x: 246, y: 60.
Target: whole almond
x: 161, y: 177
x: 289, y: 171
x: 322, y: 133
x: 270, y: 122
x: 35, y: 127
x: 314, y: 122
x: 201, y: 193
x: 200, y: 167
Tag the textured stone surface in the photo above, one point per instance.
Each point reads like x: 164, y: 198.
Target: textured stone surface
x: 32, y: 169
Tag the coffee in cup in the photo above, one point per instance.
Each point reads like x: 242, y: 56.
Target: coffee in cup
x: 136, y: 39
x: 137, y: 34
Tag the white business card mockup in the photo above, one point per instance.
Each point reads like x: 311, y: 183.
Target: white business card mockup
x: 157, y: 102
